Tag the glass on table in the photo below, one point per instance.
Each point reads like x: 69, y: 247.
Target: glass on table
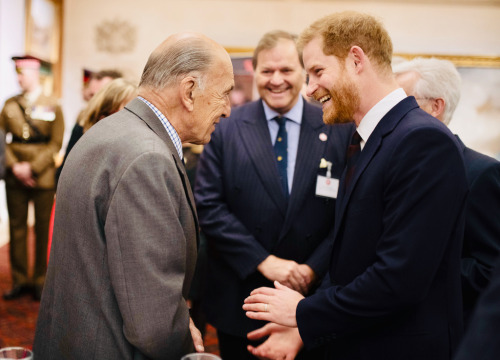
x: 200, y: 356
x: 16, y: 353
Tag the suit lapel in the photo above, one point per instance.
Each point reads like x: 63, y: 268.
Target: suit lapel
x: 189, y: 194
x: 143, y: 111
x: 254, y: 134
x: 309, y: 149
x: 384, y: 127
x: 461, y: 144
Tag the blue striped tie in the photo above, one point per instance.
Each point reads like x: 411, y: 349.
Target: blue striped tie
x: 281, y: 151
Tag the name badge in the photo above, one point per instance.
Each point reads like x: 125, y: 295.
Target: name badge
x: 327, y: 187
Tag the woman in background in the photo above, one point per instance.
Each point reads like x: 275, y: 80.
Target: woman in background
x: 111, y: 98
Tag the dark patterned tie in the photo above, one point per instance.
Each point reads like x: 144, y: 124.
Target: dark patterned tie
x: 353, y: 152
x: 281, y: 151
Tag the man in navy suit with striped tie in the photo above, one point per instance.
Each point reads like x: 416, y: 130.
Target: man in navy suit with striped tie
x: 265, y: 190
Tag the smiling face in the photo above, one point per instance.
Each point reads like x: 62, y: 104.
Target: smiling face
x: 279, y: 76
x: 330, y: 84
x: 211, y: 101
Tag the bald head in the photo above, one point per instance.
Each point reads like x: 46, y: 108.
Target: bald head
x: 180, y: 55
x: 188, y: 78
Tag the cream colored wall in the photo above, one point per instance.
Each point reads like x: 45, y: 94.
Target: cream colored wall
x: 424, y: 28
x: 414, y: 28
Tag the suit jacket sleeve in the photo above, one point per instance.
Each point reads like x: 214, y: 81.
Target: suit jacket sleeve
x: 147, y: 257
x: 420, y: 188
x: 10, y: 158
x: 482, y: 232
x: 238, y: 247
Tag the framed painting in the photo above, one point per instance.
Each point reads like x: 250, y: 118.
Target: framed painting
x: 44, y: 38
x: 244, y: 88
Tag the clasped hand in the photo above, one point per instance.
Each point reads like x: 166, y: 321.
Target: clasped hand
x: 298, y: 277
x: 22, y: 171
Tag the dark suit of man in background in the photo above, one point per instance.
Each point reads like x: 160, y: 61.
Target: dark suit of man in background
x: 125, y: 231
x: 481, y: 338
x: 435, y: 84
x: 258, y: 231
x: 394, y: 288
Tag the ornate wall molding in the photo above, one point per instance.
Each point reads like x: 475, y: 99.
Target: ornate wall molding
x: 116, y: 36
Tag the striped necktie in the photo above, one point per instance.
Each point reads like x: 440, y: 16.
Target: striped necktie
x: 281, y: 152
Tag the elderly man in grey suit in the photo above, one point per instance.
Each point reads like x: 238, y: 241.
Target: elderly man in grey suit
x: 126, y: 230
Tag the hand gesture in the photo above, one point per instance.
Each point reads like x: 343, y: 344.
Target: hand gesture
x: 283, y: 342
x: 276, y: 305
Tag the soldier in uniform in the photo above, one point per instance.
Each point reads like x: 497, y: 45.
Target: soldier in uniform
x: 34, y: 128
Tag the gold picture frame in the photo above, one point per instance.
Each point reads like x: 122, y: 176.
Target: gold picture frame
x: 480, y: 61
x: 44, y: 39
x: 475, y: 61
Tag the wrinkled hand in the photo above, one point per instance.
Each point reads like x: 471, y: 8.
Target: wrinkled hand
x: 22, y: 171
x: 283, y: 343
x: 296, y: 276
x: 276, y: 305
x: 196, y: 335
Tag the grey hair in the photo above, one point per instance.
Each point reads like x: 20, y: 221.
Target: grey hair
x: 437, y: 79
x: 188, y: 56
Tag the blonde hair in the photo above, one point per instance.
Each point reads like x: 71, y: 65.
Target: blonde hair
x: 341, y: 31
x: 107, y: 101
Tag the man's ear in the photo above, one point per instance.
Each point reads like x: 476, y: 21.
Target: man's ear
x: 186, y: 92
x: 357, y: 58
x: 438, y: 107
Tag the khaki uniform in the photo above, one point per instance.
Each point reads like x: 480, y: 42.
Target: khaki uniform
x: 36, y: 144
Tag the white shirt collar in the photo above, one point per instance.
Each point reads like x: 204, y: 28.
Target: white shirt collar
x: 295, y: 113
x: 376, y: 113
x: 174, y: 136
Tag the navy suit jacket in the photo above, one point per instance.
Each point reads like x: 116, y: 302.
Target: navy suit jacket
x: 395, y: 268
x: 481, y: 339
x: 482, y: 225
x: 244, y: 213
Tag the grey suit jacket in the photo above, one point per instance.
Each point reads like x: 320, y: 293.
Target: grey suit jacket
x: 124, y: 247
